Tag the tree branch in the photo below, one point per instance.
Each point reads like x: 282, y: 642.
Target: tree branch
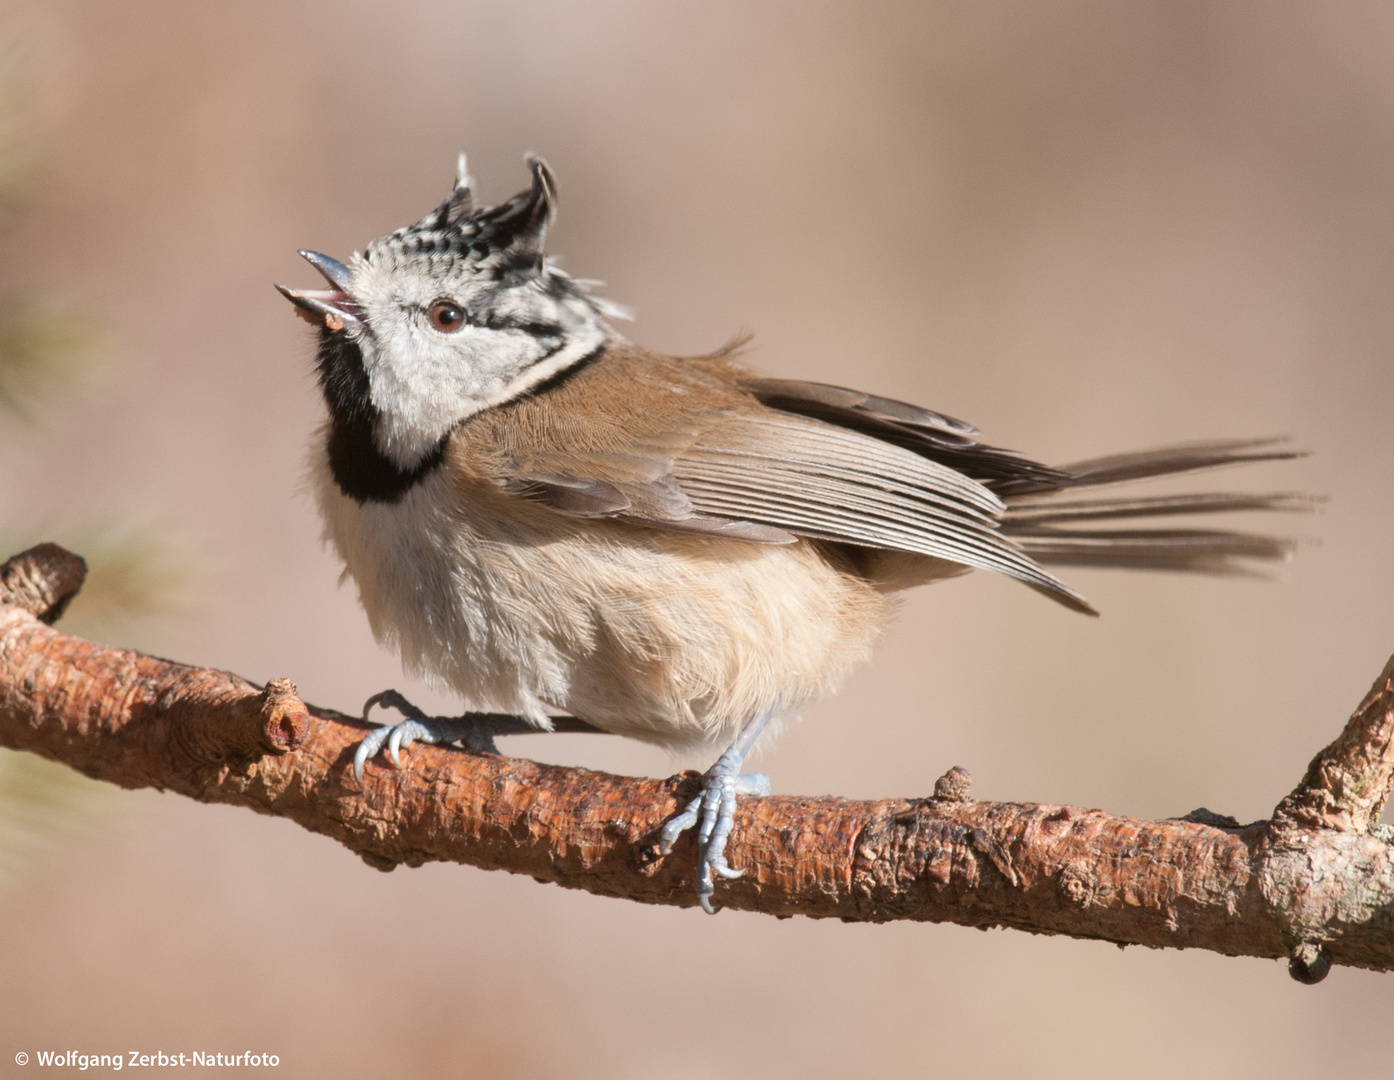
x: 1315, y: 884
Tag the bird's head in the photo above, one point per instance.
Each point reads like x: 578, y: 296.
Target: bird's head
x: 440, y: 320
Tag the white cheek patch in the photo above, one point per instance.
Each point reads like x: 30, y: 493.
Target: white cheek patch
x: 549, y: 357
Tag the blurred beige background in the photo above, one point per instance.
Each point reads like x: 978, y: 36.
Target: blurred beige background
x: 1085, y: 227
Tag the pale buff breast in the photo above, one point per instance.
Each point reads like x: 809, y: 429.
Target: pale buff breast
x: 664, y: 636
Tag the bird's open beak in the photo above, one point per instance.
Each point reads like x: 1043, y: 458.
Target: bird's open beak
x: 334, y: 308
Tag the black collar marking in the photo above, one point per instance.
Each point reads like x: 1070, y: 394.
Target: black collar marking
x: 361, y: 470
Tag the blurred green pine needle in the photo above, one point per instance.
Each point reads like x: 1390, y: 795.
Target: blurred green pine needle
x: 41, y: 804
x: 43, y: 350
x: 134, y: 574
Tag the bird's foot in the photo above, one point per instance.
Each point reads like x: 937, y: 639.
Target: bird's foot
x: 714, y: 814
x: 474, y: 732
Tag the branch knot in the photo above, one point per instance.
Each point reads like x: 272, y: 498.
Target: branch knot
x: 953, y: 786
x: 216, y: 716
x: 42, y: 581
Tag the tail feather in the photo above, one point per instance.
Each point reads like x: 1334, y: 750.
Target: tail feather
x: 1040, y: 524
x: 1197, y: 551
x: 1166, y: 461
x: 1022, y: 516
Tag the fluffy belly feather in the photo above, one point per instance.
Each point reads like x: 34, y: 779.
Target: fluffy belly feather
x: 663, y: 636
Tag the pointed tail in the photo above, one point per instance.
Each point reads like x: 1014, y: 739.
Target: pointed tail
x: 1056, y: 530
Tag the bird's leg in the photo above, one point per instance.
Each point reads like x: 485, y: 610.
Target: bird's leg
x: 475, y: 731
x: 714, y: 811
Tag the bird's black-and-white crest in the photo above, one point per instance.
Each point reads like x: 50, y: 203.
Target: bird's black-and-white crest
x: 519, y: 226
x: 500, y: 242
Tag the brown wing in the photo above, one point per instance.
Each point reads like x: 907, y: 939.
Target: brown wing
x: 680, y: 445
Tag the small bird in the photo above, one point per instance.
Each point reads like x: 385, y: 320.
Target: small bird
x: 544, y: 517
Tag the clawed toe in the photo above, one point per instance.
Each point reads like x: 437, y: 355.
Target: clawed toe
x: 367, y: 748
x: 403, y: 735
x: 678, y: 825
x: 417, y: 727
x: 391, y: 699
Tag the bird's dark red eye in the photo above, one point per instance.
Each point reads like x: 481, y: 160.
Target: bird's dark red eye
x: 446, y: 316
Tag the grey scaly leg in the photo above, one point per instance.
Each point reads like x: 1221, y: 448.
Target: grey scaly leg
x: 714, y: 811
x: 476, y: 732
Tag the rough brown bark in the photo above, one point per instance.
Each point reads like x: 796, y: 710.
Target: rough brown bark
x: 1315, y: 884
